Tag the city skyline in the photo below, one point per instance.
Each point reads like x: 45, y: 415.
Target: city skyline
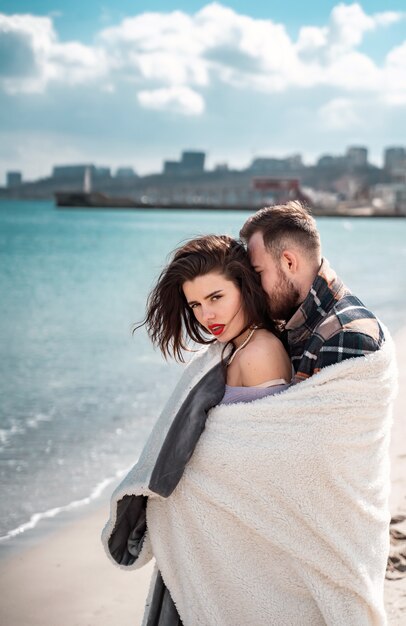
x: 127, y: 87
x: 294, y: 161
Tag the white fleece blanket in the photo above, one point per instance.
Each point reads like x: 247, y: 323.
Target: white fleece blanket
x: 281, y: 515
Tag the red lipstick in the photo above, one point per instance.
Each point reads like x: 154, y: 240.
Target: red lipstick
x: 216, y: 329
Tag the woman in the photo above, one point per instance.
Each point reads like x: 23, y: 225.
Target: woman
x: 209, y: 293
x: 215, y: 295
x: 246, y: 497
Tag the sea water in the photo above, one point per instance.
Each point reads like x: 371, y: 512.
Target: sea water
x: 78, y: 392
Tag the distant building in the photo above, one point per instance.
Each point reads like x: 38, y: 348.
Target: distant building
x: 192, y: 162
x: 357, y: 156
x: 295, y: 161
x: 14, y: 179
x: 327, y: 160
x: 125, y: 172
x: 395, y: 162
x: 390, y: 197
x: 270, y: 165
x: 70, y: 172
x: 171, y: 168
x: 77, y: 174
x: 221, y: 167
x: 101, y: 173
x: 267, y: 165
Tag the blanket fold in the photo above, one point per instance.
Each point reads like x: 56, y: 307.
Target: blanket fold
x: 280, y: 515
x: 164, y: 457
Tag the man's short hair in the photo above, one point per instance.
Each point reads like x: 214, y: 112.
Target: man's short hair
x: 282, y: 224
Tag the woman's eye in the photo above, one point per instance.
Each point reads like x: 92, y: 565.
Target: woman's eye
x: 214, y: 298
x: 193, y: 306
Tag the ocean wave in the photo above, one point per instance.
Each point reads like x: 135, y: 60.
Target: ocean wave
x: 36, y: 518
x: 7, y: 433
x: 20, y: 428
x: 37, y: 419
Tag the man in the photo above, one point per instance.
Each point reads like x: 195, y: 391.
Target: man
x: 325, y: 323
x: 337, y: 422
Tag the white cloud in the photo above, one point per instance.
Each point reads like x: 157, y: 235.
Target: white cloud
x: 338, y: 114
x: 345, y: 31
x: 348, y: 24
x: 354, y: 72
x: 175, y: 99
x: 394, y: 87
x: 75, y: 63
x: 172, y: 69
x: 332, y: 51
x: 263, y: 41
x: 388, y: 18
x: 32, y: 56
x: 312, y: 39
x: 25, y: 41
x: 168, y: 58
x: 149, y: 32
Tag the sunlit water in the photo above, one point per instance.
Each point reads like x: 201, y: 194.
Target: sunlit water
x: 78, y: 393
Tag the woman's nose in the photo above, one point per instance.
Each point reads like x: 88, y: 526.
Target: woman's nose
x: 208, y: 313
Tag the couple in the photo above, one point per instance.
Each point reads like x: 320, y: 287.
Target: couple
x: 262, y: 492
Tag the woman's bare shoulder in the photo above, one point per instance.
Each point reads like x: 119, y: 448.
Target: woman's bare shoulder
x: 263, y: 359
x: 265, y: 338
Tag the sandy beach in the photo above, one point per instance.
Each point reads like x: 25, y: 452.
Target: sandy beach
x: 66, y: 579
x: 395, y: 584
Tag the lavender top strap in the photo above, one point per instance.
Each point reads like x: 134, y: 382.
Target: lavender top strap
x: 248, y: 394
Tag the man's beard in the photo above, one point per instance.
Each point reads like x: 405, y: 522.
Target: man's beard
x: 285, y: 299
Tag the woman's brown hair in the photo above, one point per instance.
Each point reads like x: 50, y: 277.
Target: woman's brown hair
x: 169, y: 320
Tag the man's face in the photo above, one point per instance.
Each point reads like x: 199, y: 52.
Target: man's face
x: 283, y: 296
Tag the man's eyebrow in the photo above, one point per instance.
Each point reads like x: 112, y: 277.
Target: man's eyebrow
x: 210, y: 295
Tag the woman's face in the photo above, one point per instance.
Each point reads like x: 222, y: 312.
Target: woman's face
x: 217, y: 304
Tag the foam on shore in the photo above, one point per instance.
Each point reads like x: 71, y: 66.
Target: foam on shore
x: 36, y: 518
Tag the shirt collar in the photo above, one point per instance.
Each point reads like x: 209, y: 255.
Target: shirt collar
x: 326, y: 289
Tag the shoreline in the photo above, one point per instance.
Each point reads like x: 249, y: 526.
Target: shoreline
x: 58, y: 573
x: 44, y: 522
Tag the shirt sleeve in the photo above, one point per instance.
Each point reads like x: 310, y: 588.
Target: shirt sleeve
x: 345, y: 345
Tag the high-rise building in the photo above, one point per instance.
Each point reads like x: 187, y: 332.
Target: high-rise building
x: 14, y: 179
x: 395, y: 158
x: 357, y: 156
x: 192, y: 162
x: 101, y: 173
x: 171, y: 168
x: 268, y: 165
x: 330, y: 161
x: 77, y: 173
x: 125, y: 172
x: 71, y: 172
x: 295, y: 161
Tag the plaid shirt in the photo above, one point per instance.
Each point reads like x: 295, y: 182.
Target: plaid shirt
x: 330, y: 325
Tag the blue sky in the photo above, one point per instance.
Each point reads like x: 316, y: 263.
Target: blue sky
x: 133, y: 83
